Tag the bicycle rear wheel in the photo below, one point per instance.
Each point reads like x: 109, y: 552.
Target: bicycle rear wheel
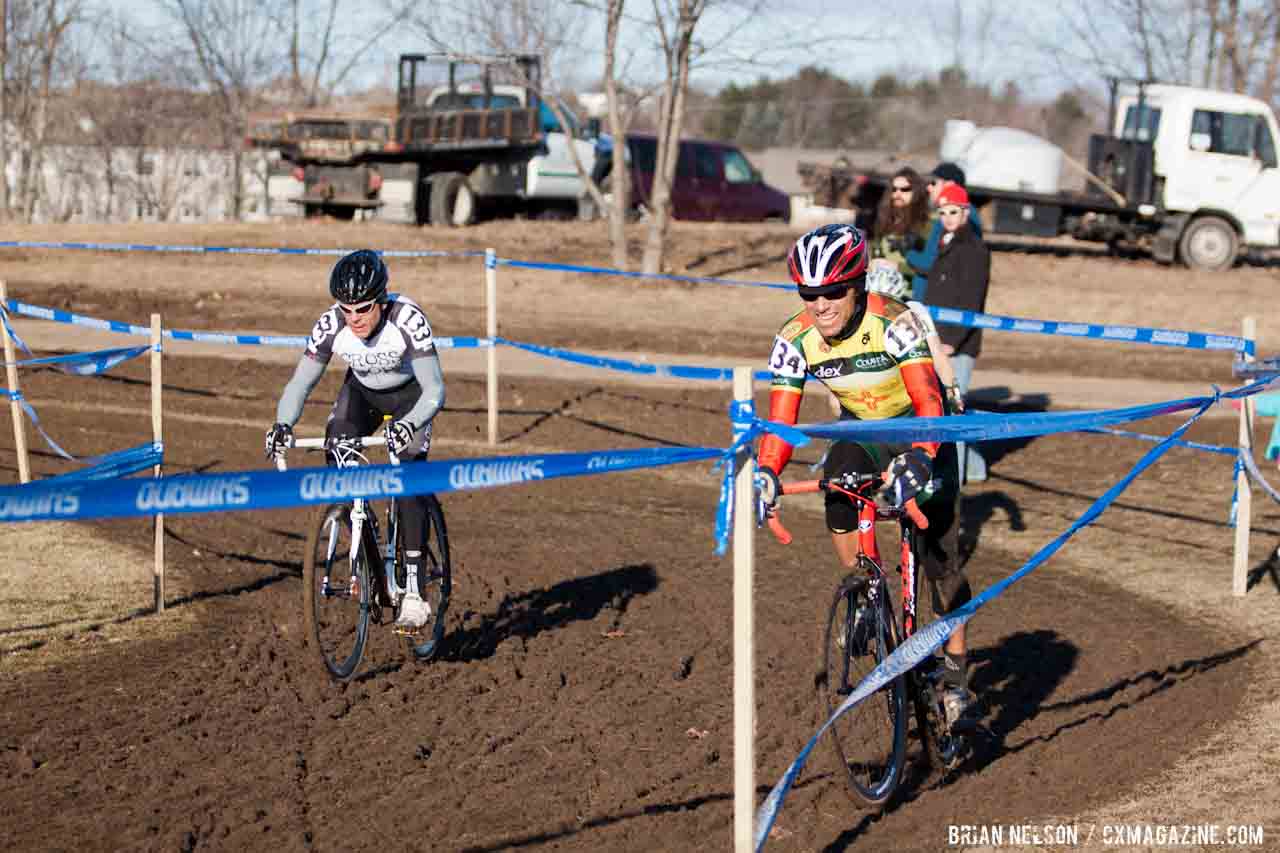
x: 870, y: 739
x: 435, y: 579
x: 336, y: 592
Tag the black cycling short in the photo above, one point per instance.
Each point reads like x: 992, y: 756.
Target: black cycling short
x: 935, y: 546
x: 359, y: 411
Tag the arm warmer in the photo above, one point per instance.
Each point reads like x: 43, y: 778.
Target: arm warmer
x: 426, y: 369
x: 304, y: 380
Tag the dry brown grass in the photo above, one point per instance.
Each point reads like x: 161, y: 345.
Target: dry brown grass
x: 80, y: 589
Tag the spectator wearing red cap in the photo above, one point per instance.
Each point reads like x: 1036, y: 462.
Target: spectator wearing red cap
x: 959, y: 280
x: 921, y: 259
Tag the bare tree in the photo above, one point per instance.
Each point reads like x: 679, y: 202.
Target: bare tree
x: 234, y: 45
x: 35, y: 34
x: 1218, y: 43
x: 320, y: 59
x: 675, y: 27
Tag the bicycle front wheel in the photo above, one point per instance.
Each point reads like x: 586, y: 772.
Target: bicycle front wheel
x: 336, y: 592
x: 435, y: 579
x: 870, y: 738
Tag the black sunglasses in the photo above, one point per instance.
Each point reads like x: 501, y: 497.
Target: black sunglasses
x: 905, y: 189
x: 360, y: 309
x: 833, y: 296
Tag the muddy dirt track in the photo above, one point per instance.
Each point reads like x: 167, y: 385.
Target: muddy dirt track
x: 583, y: 701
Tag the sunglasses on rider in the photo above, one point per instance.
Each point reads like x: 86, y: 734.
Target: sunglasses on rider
x: 831, y: 296
x: 352, y: 310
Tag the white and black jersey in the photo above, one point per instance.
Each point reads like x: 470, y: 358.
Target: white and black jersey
x: 383, y: 361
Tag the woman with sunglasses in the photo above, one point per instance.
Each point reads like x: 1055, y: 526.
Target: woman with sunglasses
x: 871, y: 352
x: 902, y: 220
x: 392, y: 369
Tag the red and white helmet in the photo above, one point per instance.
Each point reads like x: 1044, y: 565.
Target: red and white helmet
x: 828, y: 259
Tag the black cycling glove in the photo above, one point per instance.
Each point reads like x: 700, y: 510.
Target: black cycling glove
x: 910, y: 473
x: 279, y: 438
x: 399, y: 435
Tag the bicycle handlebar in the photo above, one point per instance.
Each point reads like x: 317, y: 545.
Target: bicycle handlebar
x: 320, y: 443
x: 854, y: 480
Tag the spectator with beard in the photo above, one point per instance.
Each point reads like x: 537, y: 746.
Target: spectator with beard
x: 902, y: 221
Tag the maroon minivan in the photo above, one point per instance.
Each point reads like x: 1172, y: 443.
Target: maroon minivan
x: 714, y: 181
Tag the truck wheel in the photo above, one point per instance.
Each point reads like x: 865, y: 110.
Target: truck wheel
x: 1209, y: 243
x: 453, y: 202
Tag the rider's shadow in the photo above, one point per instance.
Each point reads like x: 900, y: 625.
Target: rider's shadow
x: 523, y: 615
x: 979, y: 508
x: 1014, y: 679
x: 1000, y: 400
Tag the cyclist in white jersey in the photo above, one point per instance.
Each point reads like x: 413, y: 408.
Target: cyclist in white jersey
x: 393, y: 370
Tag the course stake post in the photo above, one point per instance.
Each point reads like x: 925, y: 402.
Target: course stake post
x: 744, y: 692
x: 15, y: 405
x: 157, y: 435
x: 491, y: 331
x: 1244, y: 495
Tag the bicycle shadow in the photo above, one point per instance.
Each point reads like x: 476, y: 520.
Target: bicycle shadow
x: 1268, y: 568
x: 531, y: 613
x: 1016, y: 679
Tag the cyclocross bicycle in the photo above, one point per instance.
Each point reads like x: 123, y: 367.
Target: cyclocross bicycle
x: 345, y: 581
x: 861, y: 630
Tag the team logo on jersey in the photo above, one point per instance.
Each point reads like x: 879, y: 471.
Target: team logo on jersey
x: 878, y: 361
x: 866, y: 338
x: 833, y: 370
x: 375, y: 361
x: 871, y: 401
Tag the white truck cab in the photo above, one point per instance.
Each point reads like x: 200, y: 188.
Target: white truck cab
x: 1214, y: 164
x: 548, y: 175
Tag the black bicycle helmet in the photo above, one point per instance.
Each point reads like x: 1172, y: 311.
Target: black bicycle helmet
x: 359, y: 277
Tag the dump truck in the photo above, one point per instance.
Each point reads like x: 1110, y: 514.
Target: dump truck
x: 467, y: 136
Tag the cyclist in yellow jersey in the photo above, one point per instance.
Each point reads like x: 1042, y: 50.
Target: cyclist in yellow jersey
x: 871, y: 352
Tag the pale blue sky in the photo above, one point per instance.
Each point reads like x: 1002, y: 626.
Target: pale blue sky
x: 861, y: 40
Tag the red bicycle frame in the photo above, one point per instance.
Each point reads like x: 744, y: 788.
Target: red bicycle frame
x: 855, y: 486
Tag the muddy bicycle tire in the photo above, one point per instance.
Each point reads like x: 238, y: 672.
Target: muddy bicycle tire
x: 335, y: 592
x: 870, y: 739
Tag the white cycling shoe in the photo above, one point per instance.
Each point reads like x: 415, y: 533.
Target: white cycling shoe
x: 414, y: 613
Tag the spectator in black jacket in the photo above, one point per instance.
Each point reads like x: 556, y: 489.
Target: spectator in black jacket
x: 959, y: 279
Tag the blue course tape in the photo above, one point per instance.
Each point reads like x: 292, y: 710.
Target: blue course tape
x: 1194, y: 445
x: 676, y: 371
x: 923, y: 643
x: 118, y: 464
x: 17, y: 397
x: 985, y: 426
x: 57, y: 315
x: 534, y: 265
x: 1125, y: 334
x: 1129, y: 334
x: 245, y: 490
x: 229, y: 250
x: 85, y: 363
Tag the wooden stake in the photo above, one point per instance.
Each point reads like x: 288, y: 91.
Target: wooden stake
x: 15, y: 408
x: 1244, y: 495
x: 157, y: 434
x: 744, y: 687
x: 491, y: 331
